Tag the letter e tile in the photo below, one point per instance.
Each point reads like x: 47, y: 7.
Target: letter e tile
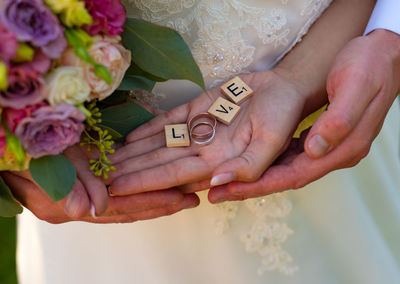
x: 236, y: 90
x: 224, y: 110
x: 177, y: 135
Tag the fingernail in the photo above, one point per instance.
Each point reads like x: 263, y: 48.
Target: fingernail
x: 318, y: 146
x: 93, y: 211
x: 222, y: 179
x: 218, y: 201
x: 73, y: 203
x: 109, y: 191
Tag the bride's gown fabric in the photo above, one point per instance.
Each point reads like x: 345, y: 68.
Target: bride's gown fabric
x: 341, y: 229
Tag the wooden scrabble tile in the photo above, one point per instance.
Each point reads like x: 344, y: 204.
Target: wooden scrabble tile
x: 236, y: 90
x: 224, y: 110
x: 177, y: 135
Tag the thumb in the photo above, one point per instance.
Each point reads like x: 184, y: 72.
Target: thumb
x: 349, y: 99
x: 251, y: 164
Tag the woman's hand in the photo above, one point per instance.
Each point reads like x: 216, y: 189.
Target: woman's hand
x: 241, y: 151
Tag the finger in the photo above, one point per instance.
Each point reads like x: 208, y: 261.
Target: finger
x: 249, y: 166
x: 156, y: 125
x: 348, y: 102
x: 275, y: 179
x: 25, y: 191
x: 302, y: 169
x: 77, y: 203
x: 143, y: 201
x: 139, y: 147
x: 158, y: 157
x: 195, y: 186
x: 94, y: 186
x: 33, y: 198
x: 189, y: 201
x: 178, y: 172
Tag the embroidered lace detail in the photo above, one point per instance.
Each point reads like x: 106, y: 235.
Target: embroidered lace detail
x: 220, y: 52
x: 227, y: 212
x: 223, y: 52
x: 267, y: 234
x: 313, y: 6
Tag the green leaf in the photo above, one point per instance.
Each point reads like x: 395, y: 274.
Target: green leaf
x: 118, y: 97
x: 8, y: 206
x: 8, y: 241
x: 160, y: 51
x: 135, y: 70
x: 115, y: 134
x: 132, y: 83
x: 55, y: 174
x: 125, y: 117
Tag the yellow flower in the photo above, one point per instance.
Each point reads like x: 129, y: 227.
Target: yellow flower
x: 72, y: 12
x: 57, y: 6
x: 25, y: 53
x: 3, y: 76
x: 9, y: 163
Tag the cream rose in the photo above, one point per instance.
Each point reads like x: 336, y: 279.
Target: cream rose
x: 67, y: 85
x: 108, y: 52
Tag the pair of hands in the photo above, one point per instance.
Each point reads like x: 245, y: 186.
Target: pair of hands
x: 252, y: 157
x: 256, y: 155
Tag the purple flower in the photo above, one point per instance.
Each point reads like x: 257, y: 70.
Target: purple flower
x: 24, y: 88
x: 50, y: 130
x: 32, y: 21
x: 108, y: 17
x: 8, y: 46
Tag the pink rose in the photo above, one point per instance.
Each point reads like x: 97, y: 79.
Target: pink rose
x: 108, y: 52
x: 12, y: 117
x: 8, y: 46
x: 108, y: 17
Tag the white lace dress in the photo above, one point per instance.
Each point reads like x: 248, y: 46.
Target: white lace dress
x: 341, y: 229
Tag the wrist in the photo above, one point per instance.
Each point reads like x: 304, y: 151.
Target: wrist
x: 386, y: 39
x: 387, y: 43
x: 311, y: 89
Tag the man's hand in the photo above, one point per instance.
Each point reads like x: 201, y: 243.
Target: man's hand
x: 362, y: 85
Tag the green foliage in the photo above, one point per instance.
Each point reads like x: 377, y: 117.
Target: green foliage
x: 125, y: 117
x: 160, y: 52
x: 8, y: 206
x: 133, y: 82
x: 100, y: 137
x: 55, y: 174
x: 118, y: 97
x: 8, y: 244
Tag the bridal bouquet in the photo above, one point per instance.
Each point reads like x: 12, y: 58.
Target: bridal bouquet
x: 63, y: 65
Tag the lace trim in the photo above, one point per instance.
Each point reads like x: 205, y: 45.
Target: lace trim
x: 267, y: 234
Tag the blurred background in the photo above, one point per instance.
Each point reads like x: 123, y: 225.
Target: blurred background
x: 8, y: 242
